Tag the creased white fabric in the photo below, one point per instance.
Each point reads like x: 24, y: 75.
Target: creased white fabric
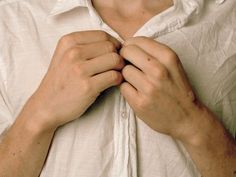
x: 108, y: 140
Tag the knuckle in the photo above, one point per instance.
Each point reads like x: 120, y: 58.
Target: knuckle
x: 143, y: 104
x: 160, y: 73
x: 103, y: 35
x: 72, y: 53
x: 115, y: 76
x: 110, y: 46
x: 75, y: 52
x: 116, y: 59
x: 150, y: 90
x: 80, y: 69
x: 172, y: 58
x: 66, y: 40
x: 86, y: 87
x: 191, y: 96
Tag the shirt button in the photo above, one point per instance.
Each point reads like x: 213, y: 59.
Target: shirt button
x: 123, y: 115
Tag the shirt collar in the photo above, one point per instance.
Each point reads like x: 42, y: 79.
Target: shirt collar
x: 173, y: 18
x: 62, y: 6
x: 170, y: 20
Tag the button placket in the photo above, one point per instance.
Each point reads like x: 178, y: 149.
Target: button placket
x: 124, y: 114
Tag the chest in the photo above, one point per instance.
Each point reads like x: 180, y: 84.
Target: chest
x: 29, y: 55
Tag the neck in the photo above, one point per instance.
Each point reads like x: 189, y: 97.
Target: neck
x: 127, y: 8
x: 127, y: 16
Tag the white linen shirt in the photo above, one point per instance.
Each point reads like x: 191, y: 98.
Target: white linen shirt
x: 108, y: 140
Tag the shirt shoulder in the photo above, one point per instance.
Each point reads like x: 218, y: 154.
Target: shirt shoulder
x: 17, y: 16
x: 17, y: 7
x: 3, y: 2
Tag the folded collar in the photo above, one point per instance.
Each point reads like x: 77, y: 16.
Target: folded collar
x: 62, y: 6
x: 170, y: 20
x: 173, y: 18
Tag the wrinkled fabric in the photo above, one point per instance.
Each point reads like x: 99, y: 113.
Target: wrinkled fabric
x: 108, y: 140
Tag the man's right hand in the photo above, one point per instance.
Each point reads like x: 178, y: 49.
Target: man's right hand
x: 84, y: 64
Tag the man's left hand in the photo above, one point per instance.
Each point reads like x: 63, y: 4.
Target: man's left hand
x: 157, y: 88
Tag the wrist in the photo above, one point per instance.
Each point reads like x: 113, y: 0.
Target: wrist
x: 37, y: 118
x: 198, y: 129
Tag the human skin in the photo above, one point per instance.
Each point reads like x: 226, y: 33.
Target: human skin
x: 156, y: 83
x: 128, y: 16
x: 213, y: 153
x: 158, y: 90
x: 84, y: 64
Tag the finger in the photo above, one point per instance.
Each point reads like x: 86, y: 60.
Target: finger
x: 129, y: 93
x: 84, y: 37
x: 152, y: 47
x: 165, y: 55
x: 106, y: 80
x: 135, y: 77
x: 89, y: 51
x: 139, y: 58
x: 110, y: 61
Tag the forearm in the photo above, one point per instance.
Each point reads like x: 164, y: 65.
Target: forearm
x: 24, y: 148
x: 212, y: 148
